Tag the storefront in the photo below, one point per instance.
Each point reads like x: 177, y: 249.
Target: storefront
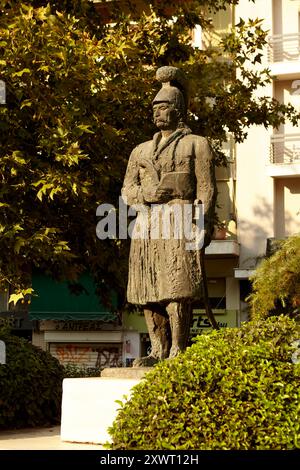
x: 73, y: 325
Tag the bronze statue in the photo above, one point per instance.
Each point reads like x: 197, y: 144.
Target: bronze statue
x: 175, y: 167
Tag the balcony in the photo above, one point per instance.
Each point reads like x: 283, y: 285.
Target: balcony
x: 223, y: 249
x: 283, y: 47
x: 284, y: 155
x: 284, y: 55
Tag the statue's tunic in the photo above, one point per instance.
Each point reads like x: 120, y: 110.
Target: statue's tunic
x: 163, y: 270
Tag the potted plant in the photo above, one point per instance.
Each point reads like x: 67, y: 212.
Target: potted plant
x: 220, y: 230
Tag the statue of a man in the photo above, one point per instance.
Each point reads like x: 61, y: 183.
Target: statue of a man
x: 174, y: 168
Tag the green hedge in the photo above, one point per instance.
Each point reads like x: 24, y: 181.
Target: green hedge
x: 74, y: 371
x: 276, y: 282
x: 30, y: 385
x: 233, y: 389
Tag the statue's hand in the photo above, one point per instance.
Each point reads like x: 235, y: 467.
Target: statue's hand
x: 148, y: 172
x: 153, y: 194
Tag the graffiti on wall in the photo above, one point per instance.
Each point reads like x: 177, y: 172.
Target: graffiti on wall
x: 108, y: 357
x: 99, y: 356
x: 71, y: 353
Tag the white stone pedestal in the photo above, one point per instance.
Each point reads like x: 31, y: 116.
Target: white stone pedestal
x: 89, y: 404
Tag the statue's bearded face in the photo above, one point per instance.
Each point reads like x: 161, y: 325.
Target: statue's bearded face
x: 165, y: 116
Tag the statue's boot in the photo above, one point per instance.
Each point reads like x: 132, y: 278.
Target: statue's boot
x: 180, y: 315
x: 159, y: 332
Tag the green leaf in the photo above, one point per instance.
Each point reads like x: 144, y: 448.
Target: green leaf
x: 16, y: 297
x: 86, y: 128
x: 25, y: 103
x: 18, y: 244
x: 21, y: 72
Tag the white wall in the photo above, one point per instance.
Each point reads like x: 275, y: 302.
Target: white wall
x: 131, y: 345
x: 286, y: 16
x: 254, y: 197
x: 287, y: 206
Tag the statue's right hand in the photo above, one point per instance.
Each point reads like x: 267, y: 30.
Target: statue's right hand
x: 147, y: 170
x: 154, y: 195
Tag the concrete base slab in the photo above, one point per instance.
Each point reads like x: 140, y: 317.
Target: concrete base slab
x: 39, y: 439
x: 89, y: 407
x: 126, y: 372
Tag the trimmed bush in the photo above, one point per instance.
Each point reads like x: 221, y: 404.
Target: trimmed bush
x: 74, y: 371
x: 276, y: 282
x: 30, y: 385
x: 233, y: 389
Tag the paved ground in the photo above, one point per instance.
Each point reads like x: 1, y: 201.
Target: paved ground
x: 39, y: 439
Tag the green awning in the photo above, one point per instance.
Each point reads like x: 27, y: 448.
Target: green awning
x: 68, y: 301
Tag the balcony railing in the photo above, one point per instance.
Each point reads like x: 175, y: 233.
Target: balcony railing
x: 283, y: 47
x: 285, y: 148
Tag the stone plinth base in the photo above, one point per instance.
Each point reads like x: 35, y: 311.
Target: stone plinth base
x: 126, y: 372
x: 89, y: 407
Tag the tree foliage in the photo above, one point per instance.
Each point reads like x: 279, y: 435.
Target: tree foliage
x: 276, y: 282
x: 79, y: 95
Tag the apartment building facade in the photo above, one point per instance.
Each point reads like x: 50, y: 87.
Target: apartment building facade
x: 268, y: 162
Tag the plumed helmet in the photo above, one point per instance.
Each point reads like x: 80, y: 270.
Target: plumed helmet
x: 174, y: 88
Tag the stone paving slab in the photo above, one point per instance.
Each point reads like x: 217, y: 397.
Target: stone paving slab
x: 40, y: 439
